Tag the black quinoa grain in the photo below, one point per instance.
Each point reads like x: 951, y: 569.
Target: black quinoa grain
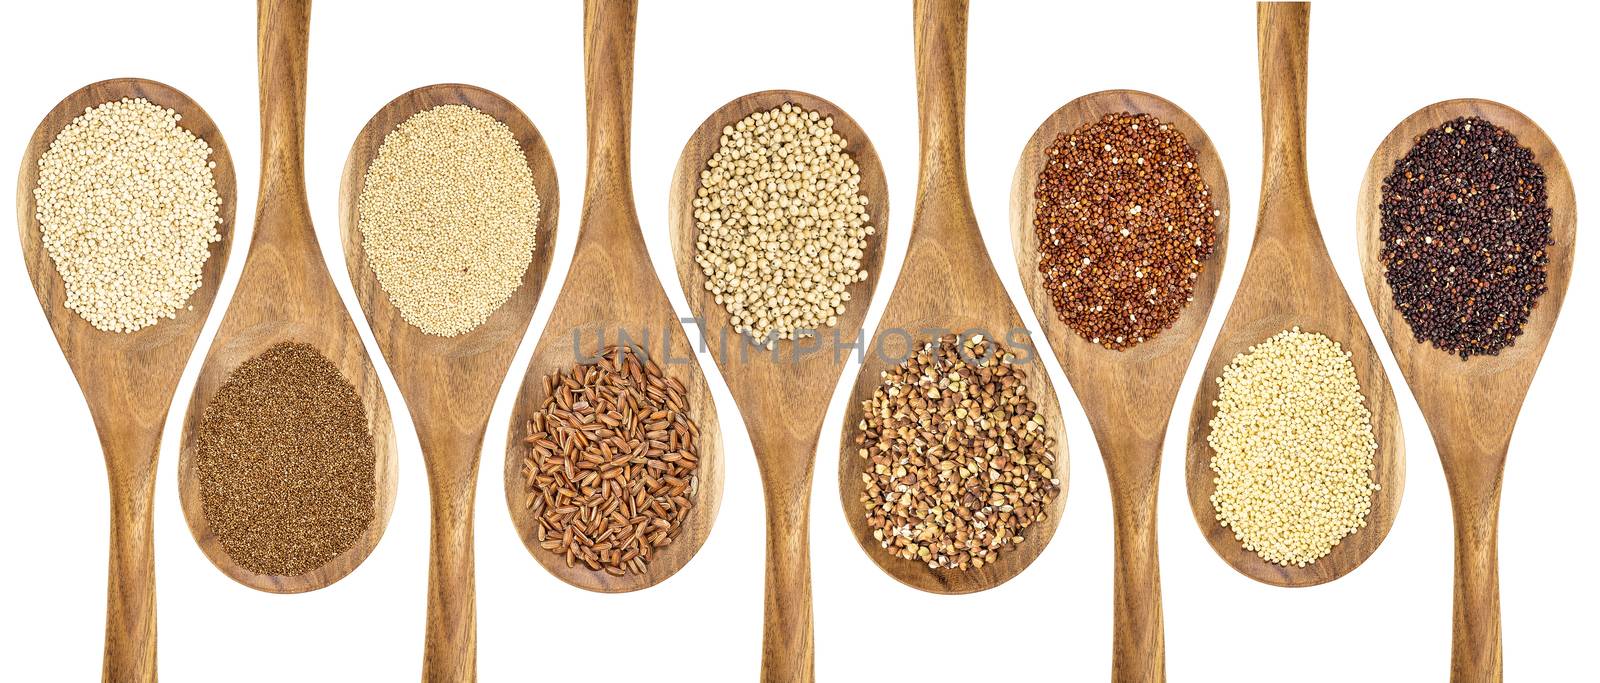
x: 1465, y: 229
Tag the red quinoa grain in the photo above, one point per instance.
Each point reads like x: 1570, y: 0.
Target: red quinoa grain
x: 1124, y: 224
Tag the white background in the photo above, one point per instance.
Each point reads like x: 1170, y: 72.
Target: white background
x: 1372, y: 64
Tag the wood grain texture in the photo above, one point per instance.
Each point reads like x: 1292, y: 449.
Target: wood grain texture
x: 128, y: 379
x: 286, y: 294
x: 1471, y: 406
x: 1128, y: 395
x: 947, y: 285
x: 1289, y: 281
x: 784, y: 393
x: 611, y: 290
x: 449, y: 383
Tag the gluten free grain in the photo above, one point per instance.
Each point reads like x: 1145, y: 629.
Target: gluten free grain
x: 449, y: 218
x: 1124, y: 225
x: 1466, y: 237
x: 128, y: 209
x: 782, y: 223
x: 1293, y: 448
x: 958, y: 460
x: 286, y: 462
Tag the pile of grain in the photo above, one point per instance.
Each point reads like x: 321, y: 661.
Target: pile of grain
x: 958, y: 463
x: 128, y: 209
x: 782, y: 224
x: 449, y: 215
x: 286, y: 463
x: 1293, y: 448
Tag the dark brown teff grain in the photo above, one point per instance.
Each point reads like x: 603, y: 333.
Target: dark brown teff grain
x: 1124, y: 224
x: 286, y: 462
x: 1465, y: 228
x: 958, y: 461
x: 611, y: 463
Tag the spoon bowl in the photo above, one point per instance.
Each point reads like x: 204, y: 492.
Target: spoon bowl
x: 783, y: 393
x: 1471, y: 406
x: 1128, y: 395
x: 947, y: 285
x: 1290, y: 281
x: 128, y: 379
x: 449, y: 383
x: 611, y: 297
x: 286, y: 294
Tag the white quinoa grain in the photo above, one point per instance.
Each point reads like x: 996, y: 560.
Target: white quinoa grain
x: 1293, y: 448
x: 782, y: 223
x: 449, y: 215
x: 127, y: 208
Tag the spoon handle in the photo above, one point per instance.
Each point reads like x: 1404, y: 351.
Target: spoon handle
x: 940, y: 30
x: 941, y: 44
x: 1282, y: 34
x: 787, y: 647
x: 1475, y: 653
x: 1138, y: 642
x: 608, y: 35
x: 130, y: 653
x: 281, y: 47
x: 450, y: 648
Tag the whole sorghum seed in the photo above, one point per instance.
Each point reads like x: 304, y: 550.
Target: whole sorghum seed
x: 612, y: 462
x: 958, y: 463
x: 286, y: 463
x: 128, y: 209
x: 449, y: 216
x: 1124, y: 224
x: 1292, y: 448
x: 782, y: 225
x: 1465, y: 227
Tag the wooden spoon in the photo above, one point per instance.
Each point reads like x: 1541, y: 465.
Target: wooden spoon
x: 1288, y: 281
x: 128, y: 379
x: 783, y: 393
x: 1471, y: 406
x: 286, y: 294
x: 1128, y: 395
x: 450, y: 383
x: 947, y: 285
x: 612, y: 296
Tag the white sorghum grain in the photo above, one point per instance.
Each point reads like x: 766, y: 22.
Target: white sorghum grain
x: 1293, y: 448
x: 782, y: 223
x: 128, y: 209
x: 448, y: 215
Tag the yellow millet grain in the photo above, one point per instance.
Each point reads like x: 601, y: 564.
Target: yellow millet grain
x: 782, y: 223
x: 127, y: 208
x: 449, y: 215
x: 1292, y: 448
